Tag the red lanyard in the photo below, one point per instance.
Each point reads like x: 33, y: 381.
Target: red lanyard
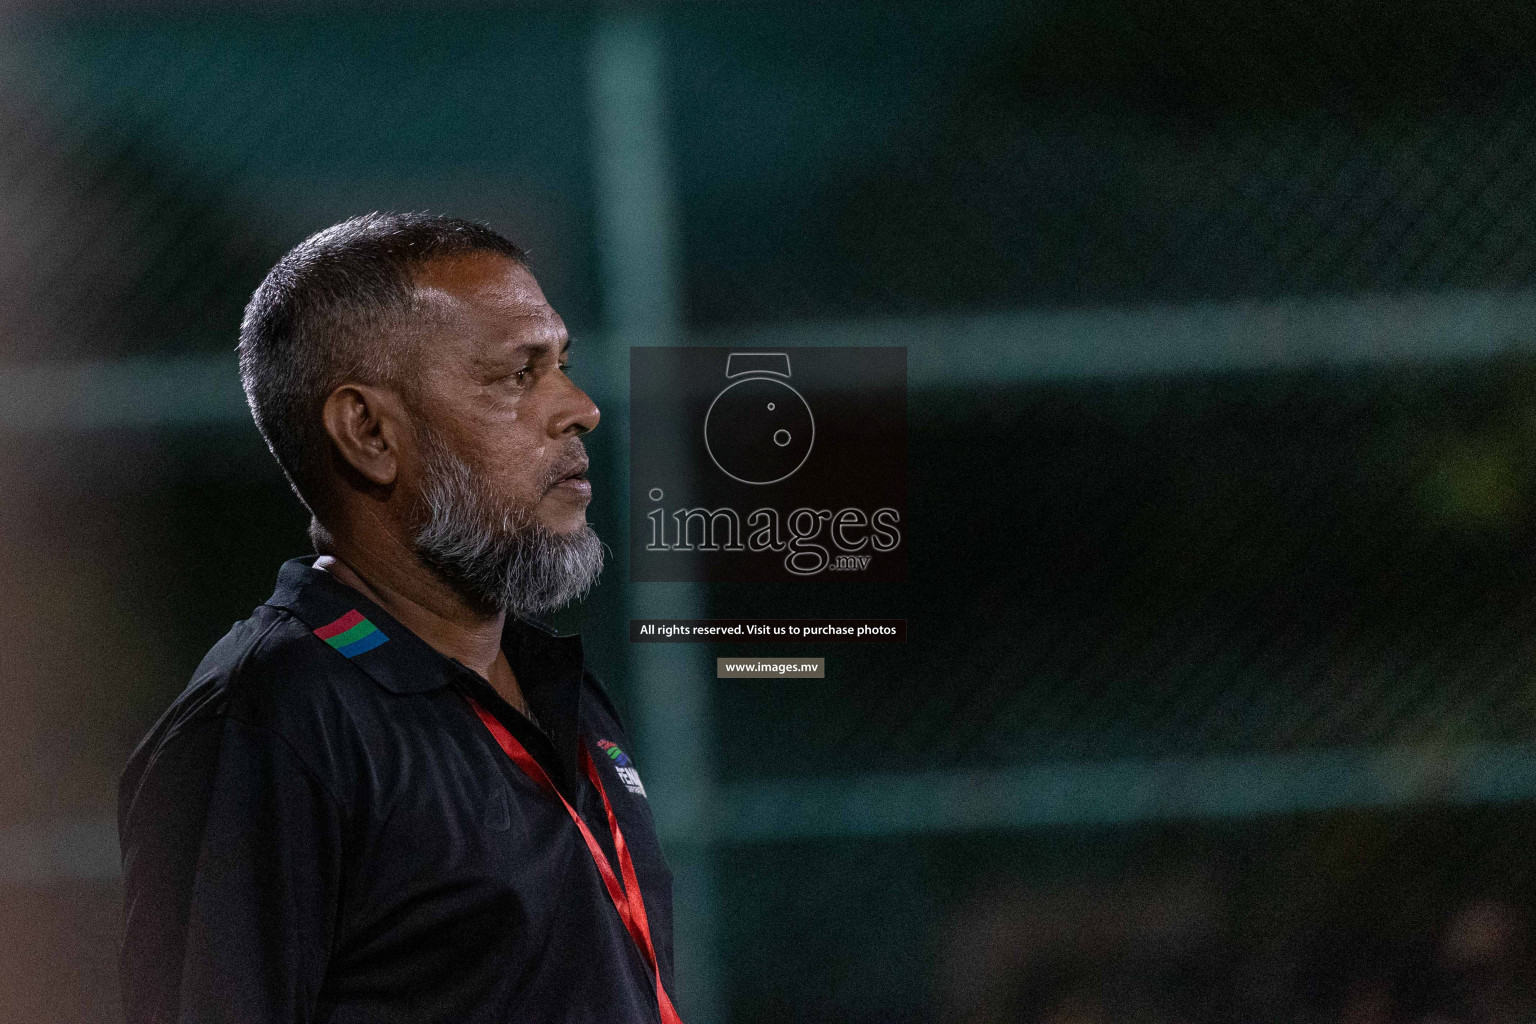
x: 626, y: 898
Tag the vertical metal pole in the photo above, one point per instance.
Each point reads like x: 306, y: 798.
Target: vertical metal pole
x: 637, y: 239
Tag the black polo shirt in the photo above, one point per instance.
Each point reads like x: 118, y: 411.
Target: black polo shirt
x: 320, y: 829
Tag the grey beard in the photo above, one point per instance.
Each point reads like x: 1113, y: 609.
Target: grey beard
x: 495, y: 554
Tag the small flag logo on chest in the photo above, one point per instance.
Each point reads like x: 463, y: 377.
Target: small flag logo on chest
x: 352, y: 634
x: 624, y: 767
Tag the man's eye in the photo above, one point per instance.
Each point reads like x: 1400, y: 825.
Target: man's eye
x: 521, y: 376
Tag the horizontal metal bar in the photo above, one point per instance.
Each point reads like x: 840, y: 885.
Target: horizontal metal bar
x: 190, y: 391
x: 1110, y: 793
x: 1051, y: 345
x: 81, y: 849
x: 960, y: 351
x: 1122, y: 792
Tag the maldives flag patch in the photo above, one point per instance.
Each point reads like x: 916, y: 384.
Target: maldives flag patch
x: 352, y: 634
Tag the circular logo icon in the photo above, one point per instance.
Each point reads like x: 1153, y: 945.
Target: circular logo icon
x: 759, y: 430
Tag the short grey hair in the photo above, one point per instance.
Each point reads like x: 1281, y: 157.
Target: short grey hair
x: 337, y: 309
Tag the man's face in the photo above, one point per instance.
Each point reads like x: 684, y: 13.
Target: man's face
x: 499, y: 470
x: 493, y: 388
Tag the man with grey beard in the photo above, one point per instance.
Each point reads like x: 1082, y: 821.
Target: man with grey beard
x: 498, y: 552
x: 393, y: 793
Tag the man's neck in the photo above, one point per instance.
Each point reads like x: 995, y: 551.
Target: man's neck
x: 437, y: 615
x: 421, y: 602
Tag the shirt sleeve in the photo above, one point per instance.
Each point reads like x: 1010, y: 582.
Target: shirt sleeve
x: 231, y: 866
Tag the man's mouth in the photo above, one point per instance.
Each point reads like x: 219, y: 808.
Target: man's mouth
x: 574, y: 478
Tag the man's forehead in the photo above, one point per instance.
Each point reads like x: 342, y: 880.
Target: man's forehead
x: 496, y: 298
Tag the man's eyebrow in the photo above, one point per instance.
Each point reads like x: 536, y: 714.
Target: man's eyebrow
x: 544, y: 346
x: 532, y: 348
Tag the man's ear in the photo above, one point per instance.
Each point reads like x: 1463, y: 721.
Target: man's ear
x: 366, y: 425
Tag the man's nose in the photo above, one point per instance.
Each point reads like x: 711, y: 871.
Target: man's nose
x: 578, y: 413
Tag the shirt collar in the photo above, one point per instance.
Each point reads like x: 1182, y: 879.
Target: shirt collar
x: 548, y: 666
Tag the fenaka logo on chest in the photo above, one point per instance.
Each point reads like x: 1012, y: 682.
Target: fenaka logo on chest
x: 624, y: 767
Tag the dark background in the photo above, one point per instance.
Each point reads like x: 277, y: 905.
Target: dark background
x: 1219, y: 697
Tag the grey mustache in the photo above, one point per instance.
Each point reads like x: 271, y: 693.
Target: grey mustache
x: 567, y: 467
